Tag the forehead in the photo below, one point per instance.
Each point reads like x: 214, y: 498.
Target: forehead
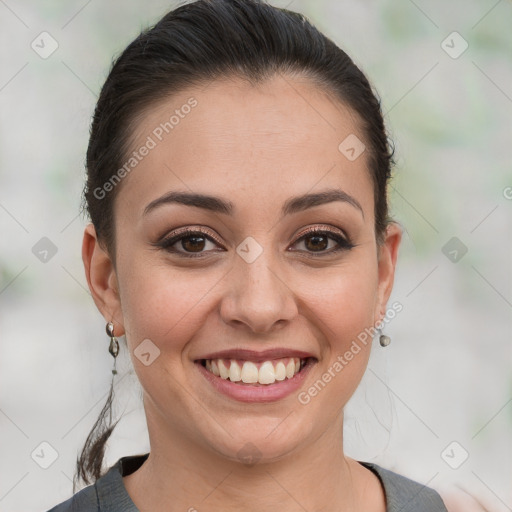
x: 255, y: 144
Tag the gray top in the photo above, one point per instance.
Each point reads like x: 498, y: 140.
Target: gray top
x: 109, y: 494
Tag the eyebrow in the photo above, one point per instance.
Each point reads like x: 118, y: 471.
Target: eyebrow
x: 220, y: 205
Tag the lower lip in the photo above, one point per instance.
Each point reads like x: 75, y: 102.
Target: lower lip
x: 257, y: 393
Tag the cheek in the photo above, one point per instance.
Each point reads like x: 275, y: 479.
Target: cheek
x: 162, y: 303
x: 351, y: 307
x: 343, y: 311
x: 343, y: 299
x: 345, y: 318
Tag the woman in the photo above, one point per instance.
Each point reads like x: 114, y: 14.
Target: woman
x: 240, y: 240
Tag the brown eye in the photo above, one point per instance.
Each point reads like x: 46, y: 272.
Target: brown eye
x: 317, y: 241
x: 189, y: 243
x: 193, y: 243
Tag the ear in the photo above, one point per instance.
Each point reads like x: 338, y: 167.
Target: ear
x: 387, y: 256
x: 102, y: 279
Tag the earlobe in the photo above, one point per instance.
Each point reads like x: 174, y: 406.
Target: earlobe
x: 388, y: 254
x: 102, y: 279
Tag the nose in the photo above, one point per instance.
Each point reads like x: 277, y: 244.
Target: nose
x: 257, y: 296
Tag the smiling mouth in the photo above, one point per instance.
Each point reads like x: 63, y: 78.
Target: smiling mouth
x: 256, y: 373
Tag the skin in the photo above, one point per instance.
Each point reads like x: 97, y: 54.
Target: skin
x: 256, y: 146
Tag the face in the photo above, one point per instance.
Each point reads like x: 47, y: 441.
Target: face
x: 269, y: 270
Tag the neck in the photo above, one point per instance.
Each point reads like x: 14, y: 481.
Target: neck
x: 315, y: 477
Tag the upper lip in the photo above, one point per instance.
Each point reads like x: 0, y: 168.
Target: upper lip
x: 252, y: 355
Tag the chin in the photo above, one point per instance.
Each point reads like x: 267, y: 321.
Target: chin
x: 263, y: 441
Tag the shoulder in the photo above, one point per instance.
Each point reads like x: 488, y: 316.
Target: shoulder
x: 405, y: 495
x: 86, y: 499
x: 107, y: 493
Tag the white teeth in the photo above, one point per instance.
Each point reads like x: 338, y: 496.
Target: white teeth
x: 280, y: 371
x: 215, y: 369
x: 249, y: 372
x: 290, y: 369
x: 234, y: 372
x: 266, y: 374
x: 224, y: 372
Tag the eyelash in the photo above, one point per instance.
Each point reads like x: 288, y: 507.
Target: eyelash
x: 344, y: 244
